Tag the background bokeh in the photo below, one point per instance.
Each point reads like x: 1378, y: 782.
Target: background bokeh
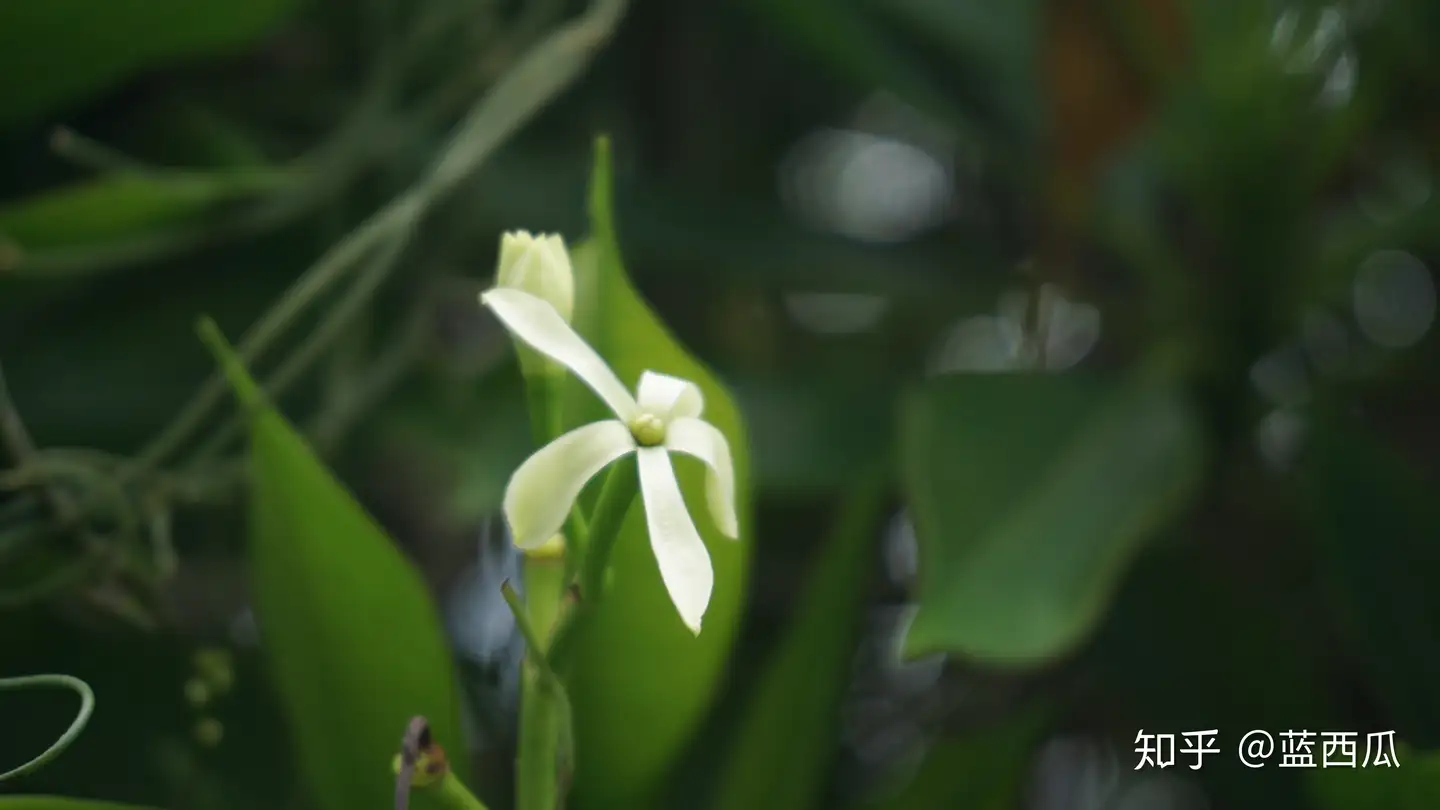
x: 1086, y: 352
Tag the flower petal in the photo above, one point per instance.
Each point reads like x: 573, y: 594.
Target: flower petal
x: 681, y: 554
x: 698, y: 438
x: 669, y: 397
x: 545, y: 486
x: 538, y: 324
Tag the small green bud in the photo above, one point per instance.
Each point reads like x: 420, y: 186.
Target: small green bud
x: 538, y: 265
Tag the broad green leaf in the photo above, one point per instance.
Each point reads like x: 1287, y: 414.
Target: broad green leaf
x: 58, y: 52
x: 124, y: 204
x: 1031, y: 494
x: 790, y: 730
x: 60, y: 803
x: 642, y: 681
x: 981, y: 770
x: 1378, y: 522
x: 353, y: 642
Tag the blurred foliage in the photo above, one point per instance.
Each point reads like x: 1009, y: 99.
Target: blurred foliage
x: 1130, y: 303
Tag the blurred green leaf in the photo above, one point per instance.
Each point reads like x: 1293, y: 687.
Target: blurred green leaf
x: 981, y: 770
x: 60, y: 803
x: 1415, y: 785
x: 788, y: 736
x: 642, y: 682
x: 124, y: 204
x: 353, y: 641
x: 57, y: 52
x: 1378, y: 520
x: 1031, y: 493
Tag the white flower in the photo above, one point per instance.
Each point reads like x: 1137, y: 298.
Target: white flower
x: 538, y: 265
x: 662, y: 417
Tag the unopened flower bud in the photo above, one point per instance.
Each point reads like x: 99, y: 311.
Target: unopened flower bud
x: 540, y: 266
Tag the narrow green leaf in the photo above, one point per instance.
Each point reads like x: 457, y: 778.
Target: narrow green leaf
x: 1378, y: 522
x: 1031, y: 494
x: 66, y: 50
x: 60, y: 803
x: 790, y: 730
x: 642, y: 682
x: 353, y: 642
x: 124, y: 204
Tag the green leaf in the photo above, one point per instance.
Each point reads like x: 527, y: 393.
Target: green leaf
x: 60, y: 803
x: 790, y: 730
x: 124, y: 204
x: 58, y: 52
x: 642, y: 682
x: 352, y: 639
x: 1030, y: 495
x: 1378, y: 520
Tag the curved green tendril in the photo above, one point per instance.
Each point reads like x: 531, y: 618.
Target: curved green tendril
x: 87, y: 705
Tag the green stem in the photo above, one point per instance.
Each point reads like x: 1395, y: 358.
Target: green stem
x: 544, y: 392
x: 453, y: 794
x: 545, y: 713
x: 616, y: 496
x: 450, y: 793
x: 87, y: 706
x: 540, y: 716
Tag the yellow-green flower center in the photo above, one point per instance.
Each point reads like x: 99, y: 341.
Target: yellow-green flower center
x: 648, y: 430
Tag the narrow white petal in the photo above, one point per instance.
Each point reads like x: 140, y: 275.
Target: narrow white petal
x: 545, y: 486
x: 669, y: 397
x: 698, y: 438
x: 538, y: 324
x: 684, y: 562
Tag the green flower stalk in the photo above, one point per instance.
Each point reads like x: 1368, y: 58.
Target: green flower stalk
x: 540, y: 266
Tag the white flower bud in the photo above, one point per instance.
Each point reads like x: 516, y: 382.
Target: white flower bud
x: 540, y: 266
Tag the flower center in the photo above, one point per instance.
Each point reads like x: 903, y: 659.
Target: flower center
x: 648, y: 430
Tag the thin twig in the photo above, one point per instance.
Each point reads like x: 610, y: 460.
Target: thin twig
x: 87, y: 706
